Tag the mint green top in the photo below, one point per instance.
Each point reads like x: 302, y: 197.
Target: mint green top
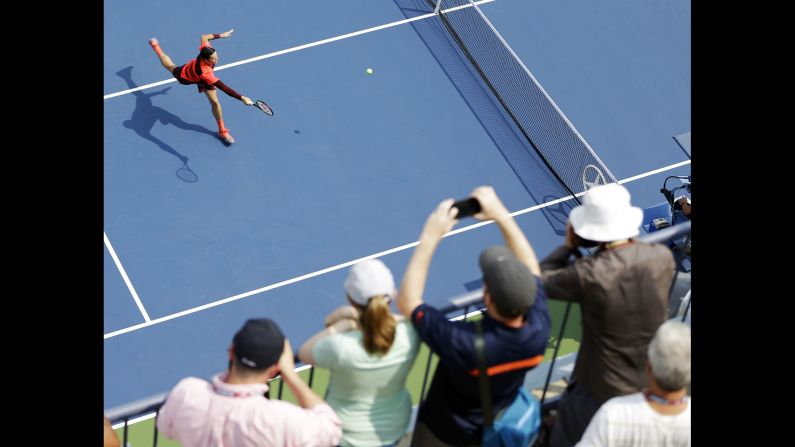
x: 368, y: 392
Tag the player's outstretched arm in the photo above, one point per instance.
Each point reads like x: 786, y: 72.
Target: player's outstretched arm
x: 208, y: 37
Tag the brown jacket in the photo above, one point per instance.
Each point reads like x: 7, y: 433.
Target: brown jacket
x: 623, y: 295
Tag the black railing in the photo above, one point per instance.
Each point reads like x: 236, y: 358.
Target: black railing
x: 148, y: 406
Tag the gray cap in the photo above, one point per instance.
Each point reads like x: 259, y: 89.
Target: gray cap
x: 510, y: 283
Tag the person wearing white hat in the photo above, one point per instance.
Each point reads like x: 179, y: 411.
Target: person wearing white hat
x: 369, y: 352
x: 622, y: 290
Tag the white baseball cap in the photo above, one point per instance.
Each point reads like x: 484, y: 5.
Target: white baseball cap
x: 368, y: 279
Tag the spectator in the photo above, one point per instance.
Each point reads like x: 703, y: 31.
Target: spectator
x: 623, y: 294
x: 515, y: 327
x: 660, y: 415
x: 233, y: 409
x: 110, y: 438
x: 369, y: 352
x: 684, y: 204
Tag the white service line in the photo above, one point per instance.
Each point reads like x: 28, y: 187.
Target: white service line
x: 656, y: 171
x: 260, y: 290
x: 126, y: 279
x: 300, y: 47
x: 349, y: 263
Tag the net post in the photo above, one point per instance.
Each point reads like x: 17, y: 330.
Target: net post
x: 438, y: 7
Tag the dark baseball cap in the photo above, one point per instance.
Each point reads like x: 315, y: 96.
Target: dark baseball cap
x: 511, y: 284
x: 259, y: 343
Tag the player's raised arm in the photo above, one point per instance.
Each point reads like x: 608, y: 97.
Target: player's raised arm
x: 208, y: 37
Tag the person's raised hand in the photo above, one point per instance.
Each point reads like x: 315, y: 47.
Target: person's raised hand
x: 441, y: 220
x: 287, y: 360
x: 491, y: 207
x: 341, y: 313
x: 571, y: 239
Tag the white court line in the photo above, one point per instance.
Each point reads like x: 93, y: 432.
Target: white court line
x: 474, y: 312
x: 656, y: 171
x: 126, y: 279
x: 301, y: 47
x: 134, y: 421
x: 349, y: 263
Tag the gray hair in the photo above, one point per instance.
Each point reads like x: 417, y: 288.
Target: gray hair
x: 669, y: 355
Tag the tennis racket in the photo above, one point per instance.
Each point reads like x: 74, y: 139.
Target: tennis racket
x: 260, y: 104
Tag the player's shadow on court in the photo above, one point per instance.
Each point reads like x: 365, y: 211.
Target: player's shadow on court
x: 147, y: 114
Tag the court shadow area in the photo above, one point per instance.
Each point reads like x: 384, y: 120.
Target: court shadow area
x: 146, y: 115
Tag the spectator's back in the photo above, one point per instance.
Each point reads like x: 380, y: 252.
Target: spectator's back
x: 623, y: 294
x: 369, y: 352
x: 366, y: 390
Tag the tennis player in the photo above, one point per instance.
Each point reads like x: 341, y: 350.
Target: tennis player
x: 200, y: 71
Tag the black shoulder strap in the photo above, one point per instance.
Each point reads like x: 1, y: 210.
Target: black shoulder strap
x: 483, y: 382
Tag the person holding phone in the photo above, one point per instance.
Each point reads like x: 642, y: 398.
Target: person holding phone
x: 515, y: 325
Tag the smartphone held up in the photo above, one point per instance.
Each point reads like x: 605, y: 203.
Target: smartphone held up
x: 467, y: 207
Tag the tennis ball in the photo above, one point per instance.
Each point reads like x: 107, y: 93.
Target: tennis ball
x: 369, y: 71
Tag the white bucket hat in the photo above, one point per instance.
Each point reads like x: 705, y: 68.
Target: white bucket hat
x: 368, y: 279
x: 606, y: 215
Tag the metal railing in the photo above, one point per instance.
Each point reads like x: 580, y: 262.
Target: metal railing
x: 149, y: 407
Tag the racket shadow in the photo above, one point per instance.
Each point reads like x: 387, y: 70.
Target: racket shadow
x: 186, y: 174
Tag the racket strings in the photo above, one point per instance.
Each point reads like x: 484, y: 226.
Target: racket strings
x: 264, y: 107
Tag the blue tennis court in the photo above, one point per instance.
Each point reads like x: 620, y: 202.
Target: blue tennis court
x: 351, y: 163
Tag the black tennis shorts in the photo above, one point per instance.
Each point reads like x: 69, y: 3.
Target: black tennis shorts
x: 201, y: 85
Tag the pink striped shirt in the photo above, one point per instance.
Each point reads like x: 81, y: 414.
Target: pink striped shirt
x: 198, y: 413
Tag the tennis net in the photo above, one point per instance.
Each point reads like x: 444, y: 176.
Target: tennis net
x: 563, y: 150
